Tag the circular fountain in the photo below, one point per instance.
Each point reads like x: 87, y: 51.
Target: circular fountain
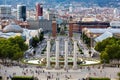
x: 80, y: 61
x: 61, y: 58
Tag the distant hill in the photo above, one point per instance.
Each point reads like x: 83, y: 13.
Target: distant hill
x: 101, y: 3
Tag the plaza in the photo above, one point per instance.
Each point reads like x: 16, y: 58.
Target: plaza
x: 49, y: 72
x: 42, y: 73
x: 61, y: 60
x: 60, y: 39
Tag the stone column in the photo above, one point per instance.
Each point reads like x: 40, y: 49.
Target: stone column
x: 57, y: 54
x: 66, y: 55
x: 75, y: 55
x: 48, y: 54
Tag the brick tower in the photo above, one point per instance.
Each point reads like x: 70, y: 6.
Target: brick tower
x: 54, y: 29
x: 70, y: 28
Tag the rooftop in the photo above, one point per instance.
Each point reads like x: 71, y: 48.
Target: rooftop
x: 102, y: 30
x: 13, y: 28
x: 103, y: 36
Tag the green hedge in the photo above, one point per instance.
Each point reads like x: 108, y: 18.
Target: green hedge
x: 22, y: 78
x: 98, y: 78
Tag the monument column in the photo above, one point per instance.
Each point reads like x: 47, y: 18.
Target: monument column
x: 57, y: 54
x: 48, y: 54
x: 75, y: 55
x: 66, y: 55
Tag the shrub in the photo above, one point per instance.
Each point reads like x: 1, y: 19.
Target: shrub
x: 91, y: 78
x: 22, y: 78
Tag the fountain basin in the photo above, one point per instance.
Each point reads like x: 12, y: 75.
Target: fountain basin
x: 80, y: 61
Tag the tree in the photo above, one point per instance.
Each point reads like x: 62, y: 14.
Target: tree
x: 35, y: 40
x: 90, y: 53
x: 109, y: 49
x: 41, y: 36
x: 65, y: 28
x: 4, y: 48
x: 86, y: 39
x: 17, y: 55
x: 58, y: 29
x: 18, y: 40
x: 100, y: 46
x: 12, y: 48
x: 113, y: 51
x: 104, y: 57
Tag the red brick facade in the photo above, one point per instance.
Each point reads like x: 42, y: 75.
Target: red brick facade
x: 54, y: 29
x: 70, y: 29
x: 77, y: 27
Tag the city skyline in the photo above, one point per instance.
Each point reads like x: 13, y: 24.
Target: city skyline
x: 60, y: 39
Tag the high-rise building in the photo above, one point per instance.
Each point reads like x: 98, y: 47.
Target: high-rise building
x: 39, y: 11
x: 70, y: 8
x: 116, y: 13
x: 5, y: 11
x: 21, y: 12
x: 51, y: 16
